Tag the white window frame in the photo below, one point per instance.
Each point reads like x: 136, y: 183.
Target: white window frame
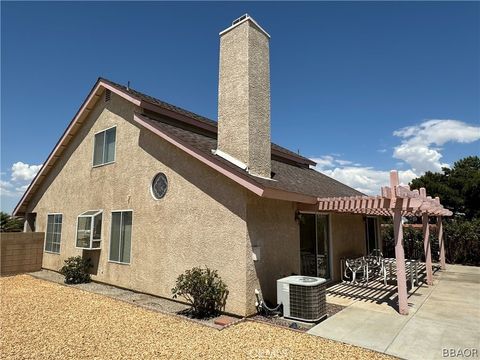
x: 92, y: 224
x: 110, y: 241
x: 104, y: 144
x: 46, y: 233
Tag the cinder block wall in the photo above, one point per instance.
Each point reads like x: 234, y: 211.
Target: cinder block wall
x: 21, y: 252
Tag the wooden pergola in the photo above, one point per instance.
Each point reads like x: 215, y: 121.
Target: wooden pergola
x: 397, y: 201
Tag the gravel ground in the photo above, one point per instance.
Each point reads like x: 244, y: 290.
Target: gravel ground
x: 332, y: 309
x: 44, y: 320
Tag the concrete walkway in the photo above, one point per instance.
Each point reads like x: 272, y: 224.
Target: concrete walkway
x: 443, y: 316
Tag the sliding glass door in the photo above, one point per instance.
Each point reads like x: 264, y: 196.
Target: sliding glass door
x: 314, y: 245
x: 371, y: 234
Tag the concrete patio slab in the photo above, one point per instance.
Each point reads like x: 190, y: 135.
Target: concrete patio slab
x: 424, y: 339
x: 443, y: 316
x: 342, y: 327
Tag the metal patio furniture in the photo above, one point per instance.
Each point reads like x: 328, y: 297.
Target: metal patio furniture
x: 411, y: 267
x: 375, y: 265
x: 356, y: 266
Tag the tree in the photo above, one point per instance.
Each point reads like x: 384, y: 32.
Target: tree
x: 458, y: 187
x: 9, y: 223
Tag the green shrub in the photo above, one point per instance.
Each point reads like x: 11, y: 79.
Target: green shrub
x: 75, y: 270
x: 203, y: 289
x: 462, y: 242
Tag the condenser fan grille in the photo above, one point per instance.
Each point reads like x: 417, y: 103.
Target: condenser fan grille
x: 306, y: 301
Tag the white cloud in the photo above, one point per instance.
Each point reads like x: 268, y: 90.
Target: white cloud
x: 7, y: 189
x: 11, y: 190
x: 420, y: 146
x: 25, y: 172
x: 366, y: 179
x: 324, y: 162
x: 22, y: 189
x: 419, y: 151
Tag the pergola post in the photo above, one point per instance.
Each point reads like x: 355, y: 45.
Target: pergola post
x: 427, y: 248
x: 441, y: 242
x: 399, y: 252
x: 426, y: 242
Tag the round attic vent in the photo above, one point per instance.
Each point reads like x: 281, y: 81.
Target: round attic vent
x: 159, y: 186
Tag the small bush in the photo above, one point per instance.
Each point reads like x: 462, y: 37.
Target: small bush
x: 203, y: 289
x: 75, y: 270
x: 462, y: 242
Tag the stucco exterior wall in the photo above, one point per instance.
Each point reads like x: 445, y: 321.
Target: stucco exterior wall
x: 271, y: 228
x: 200, y: 221
x: 348, y: 239
x: 244, y: 97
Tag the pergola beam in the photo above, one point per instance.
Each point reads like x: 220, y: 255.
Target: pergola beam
x: 441, y: 242
x: 396, y: 201
x: 426, y: 243
x: 399, y: 252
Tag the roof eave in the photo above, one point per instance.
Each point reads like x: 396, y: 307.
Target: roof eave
x: 68, y: 134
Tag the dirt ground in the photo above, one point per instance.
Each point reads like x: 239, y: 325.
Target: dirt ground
x: 44, y: 320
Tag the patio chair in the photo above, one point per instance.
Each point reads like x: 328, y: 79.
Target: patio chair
x: 376, y: 265
x: 355, y: 266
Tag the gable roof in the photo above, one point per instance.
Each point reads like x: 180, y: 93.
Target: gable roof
x: 292, y: 180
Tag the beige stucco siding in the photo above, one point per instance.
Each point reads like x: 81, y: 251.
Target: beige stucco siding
x: 201, y: 220
x: 348, y: 239
x: 204, y: 219
x: 271, y: 228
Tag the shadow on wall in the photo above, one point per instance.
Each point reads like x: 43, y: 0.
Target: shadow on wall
x: 209, y: 181
x: 272, y: 228
x: 73, y: 145
x: 94, y: 256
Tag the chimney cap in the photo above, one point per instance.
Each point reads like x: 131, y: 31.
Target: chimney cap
x: 241, y: 20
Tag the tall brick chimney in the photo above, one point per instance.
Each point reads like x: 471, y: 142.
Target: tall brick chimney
x: 244, y: 97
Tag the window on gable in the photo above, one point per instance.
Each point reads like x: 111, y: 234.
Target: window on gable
x: 53, y: 234
x: 104, y: 147
x: 121, y: 236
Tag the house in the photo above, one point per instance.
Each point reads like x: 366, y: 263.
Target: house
x: 147, y: 189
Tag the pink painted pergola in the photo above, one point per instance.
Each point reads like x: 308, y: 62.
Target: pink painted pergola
x: 397, y: 201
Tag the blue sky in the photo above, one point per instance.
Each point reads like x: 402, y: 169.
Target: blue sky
x: 362, y: 87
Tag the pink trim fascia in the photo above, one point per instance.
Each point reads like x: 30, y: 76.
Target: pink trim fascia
x: 120, y: 93
x: 208, y: 160
x: 85, y: 107
x: 239, y: 178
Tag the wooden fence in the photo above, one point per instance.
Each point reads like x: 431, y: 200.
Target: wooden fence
x: 20, y: 252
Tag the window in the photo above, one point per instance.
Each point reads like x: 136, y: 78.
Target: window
x: 104, y: 147
x: 89, y: 230
x: 159, y: 186
x: 121, y: 236
x: 53, y: 234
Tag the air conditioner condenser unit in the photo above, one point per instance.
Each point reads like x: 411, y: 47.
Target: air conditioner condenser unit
x: 303, y: 297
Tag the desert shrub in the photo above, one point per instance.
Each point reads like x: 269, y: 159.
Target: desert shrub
x: 203, y: 289
x: 462, y: 242
x: 412, y: 243
x: 76, y: 269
